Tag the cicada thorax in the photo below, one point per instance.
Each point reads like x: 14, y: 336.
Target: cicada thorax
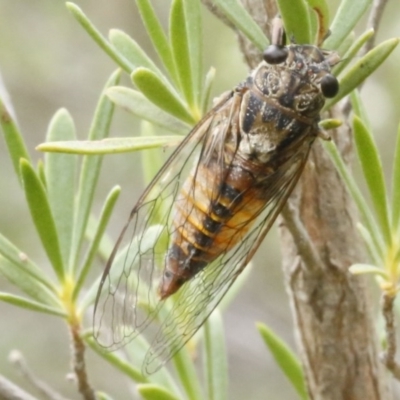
x: 273, y: 118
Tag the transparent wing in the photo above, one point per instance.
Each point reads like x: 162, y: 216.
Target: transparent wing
x: 197, y: 298
x: 127, y: 299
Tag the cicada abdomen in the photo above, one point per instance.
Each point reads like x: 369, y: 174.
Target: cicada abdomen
x: 248, y: 150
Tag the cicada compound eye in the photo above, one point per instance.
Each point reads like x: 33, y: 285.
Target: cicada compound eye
x: 275, y: 54
x: 329, y: 86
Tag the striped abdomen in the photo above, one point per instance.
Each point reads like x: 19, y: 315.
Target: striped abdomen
x: 211, y: 215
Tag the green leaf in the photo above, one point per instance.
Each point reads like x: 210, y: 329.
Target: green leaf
x: 396, y: 185
x: 103, y: 396
x: 154, y: 392
x: 368, y: 240
x: 60, y: 171
x: 207, y: 90
x: 372, y: 169
x: 296, y: 20
x: 27, y: 283
x: 240, y: 18
x: 330, y: 123
x: 159, y: 94
x: 110, y: 145
x: 116, y: 361
x: 94, y: 244
x: 346, y: 18
x: 158, y: 37
x: 91, y: 168
x: 192, y: 14
x: 97, y: 36
x: 134, y: 54
x: 352, y: 51
x: 152, y: 161
x: 180, y: 50
x: 321, y: 10
x: 42, y: 217
x: 136, y: 103
x: 358, y: 198
x: 215, y: 366
x: 358, y: 107
x: 30, y: 305
x: 284, y: 357
x: 187, y: 374
x: 23, y: 263
x: 358, y: 269
x: 345, y: 46
x: 14, y: 141
x: 363, y: 68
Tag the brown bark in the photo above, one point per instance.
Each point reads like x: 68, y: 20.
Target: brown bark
x: 333, y: 324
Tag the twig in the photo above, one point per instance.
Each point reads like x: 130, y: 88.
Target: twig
x: 374, y: 20
x: 310, y: 256
x: 18, y: 360
x: 388, y: 357
x: 79, y: 364
x: 10, y: 391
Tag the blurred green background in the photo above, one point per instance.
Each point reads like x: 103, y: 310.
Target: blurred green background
x: 47, y: 61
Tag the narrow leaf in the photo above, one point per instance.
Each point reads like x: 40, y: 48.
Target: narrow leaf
x: 30, y: 305
x: 110, y: 145
x: 187, y: 374
x: 60, y: 171
x: 180, y: 50
x: 345, y: 45
x: 363, y: 68
x: 159, y: 94
x: 134, y: 54
x: 346, y: 18
x: 215, y: 366
x: 368, y: 240
x: 90, y: 169
x: 192, y: 13
x: 352, y: 51
x: 396, y: 184
x: 240, y: 18
x: 136, y: 103
x: 158, y: 37
x: 97, y: 36
x: 103, y: 396
x: 151, y: 160
x: 42, y: 217
x: 23, y: 262
x: 359, y: 108
x: 94, y: 244
x: 155, y: 392
x: 207, y: 90
x: 358, y: 198
x: 27, y: 284
x: 15, y: 143
x: 373, y: 174
x: 296, y: 20
x: 116, y: 361
x: 284, y: 357
x: 358, y: 269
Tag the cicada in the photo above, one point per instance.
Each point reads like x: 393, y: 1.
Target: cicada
x: 202, y: 218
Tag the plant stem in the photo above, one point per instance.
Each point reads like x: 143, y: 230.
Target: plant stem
x: 79, y: 363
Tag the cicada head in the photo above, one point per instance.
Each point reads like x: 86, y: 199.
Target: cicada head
x: 298, y: 77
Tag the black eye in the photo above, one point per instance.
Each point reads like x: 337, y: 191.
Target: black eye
x: 329, y: 86
x: 275, y: 54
